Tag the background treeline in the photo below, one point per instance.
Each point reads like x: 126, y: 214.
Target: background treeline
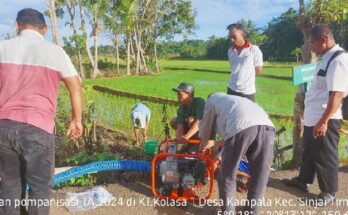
x: 279, y: 41
x: 140, y: 32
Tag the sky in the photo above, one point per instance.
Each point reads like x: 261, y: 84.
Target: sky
x: 212, y: 15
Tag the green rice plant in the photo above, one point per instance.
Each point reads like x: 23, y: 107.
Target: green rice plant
x: 276, y: 96
x: 277, y: 69
x: 114, y: 111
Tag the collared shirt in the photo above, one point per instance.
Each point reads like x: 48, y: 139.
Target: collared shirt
x: 317, y: 95
x: 243, y: 68
x: 30, y: 71
x: 143, y: 109
x: 142, y: 113
x: 140, y: 107
x: 195, y: 109
x: 228, y: 115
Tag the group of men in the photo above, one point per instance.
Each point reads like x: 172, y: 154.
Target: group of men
x: 30, y: 71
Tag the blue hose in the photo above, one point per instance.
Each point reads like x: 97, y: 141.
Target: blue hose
x: 243, y: 166
x: 99, y: 166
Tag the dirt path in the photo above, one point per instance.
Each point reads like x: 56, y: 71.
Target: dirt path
x: 133, y: 196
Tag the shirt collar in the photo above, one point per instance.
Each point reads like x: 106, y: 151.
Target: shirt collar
x: 246, y: 45
x: 31, y: 33
x: 328, y: 54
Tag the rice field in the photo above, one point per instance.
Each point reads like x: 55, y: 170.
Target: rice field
x: 274, y: 95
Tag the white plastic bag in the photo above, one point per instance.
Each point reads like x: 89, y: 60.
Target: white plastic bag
x: 90, y: 199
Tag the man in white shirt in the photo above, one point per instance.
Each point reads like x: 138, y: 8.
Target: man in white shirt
x: 246, y: 130
x: 322, y: 117
x: 245, y: 61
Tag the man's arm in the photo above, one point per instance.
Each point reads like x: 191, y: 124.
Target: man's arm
x: 194, y: 129
x: 333, y: 104
x: 73, y: 84
x: 206, y: 125
x: 258, y: 60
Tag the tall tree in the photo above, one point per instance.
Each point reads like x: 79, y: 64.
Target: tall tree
x: 127, y: 14
x: 82, y: 5
x: 252, y: 33
x: 112, y: 21
x: 97, y: 9
x: 171, y: 17
x: 51, y: 4
x: 283, y: 36
x: 77, y: 39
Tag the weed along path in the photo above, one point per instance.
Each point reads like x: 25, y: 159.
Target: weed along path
x: 132, y: 192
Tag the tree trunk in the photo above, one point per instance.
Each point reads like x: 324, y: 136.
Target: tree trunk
x: 53, y: 17
x: 96, y: 71
x: 137, y: 45
x: 156, y: 58
x: 307, y: 57
x: 132, y: 48
x: 144, y: 68
x: 128, y: 54
x: 117, y: 44
x: 84, y: 31
x: 82, y: 71
x: 71, y: 11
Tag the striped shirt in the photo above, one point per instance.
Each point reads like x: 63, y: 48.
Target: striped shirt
x: 30, y: 71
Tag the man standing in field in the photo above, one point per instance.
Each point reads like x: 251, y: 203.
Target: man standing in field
x: 322, y: 117
x: 246, y: 130
x: 30, y: 72
x: 245, y: 61
x: 189, y: 113
x: 140, y: 116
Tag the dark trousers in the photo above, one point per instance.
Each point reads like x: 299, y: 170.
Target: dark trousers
x: 320, y: 156
x: 256, y: 143
x: 26, y: 157
x: 249, y: 96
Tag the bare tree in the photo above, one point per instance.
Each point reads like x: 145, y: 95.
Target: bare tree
x: 51, y: 4
x: 71, y: 10
x: 84, y: 31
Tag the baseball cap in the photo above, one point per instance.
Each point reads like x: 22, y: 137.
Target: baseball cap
x: 184, y: 87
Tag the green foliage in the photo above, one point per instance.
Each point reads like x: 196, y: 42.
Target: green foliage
x: 283, y: 37
x: 217, y: 47
x: 85, y: 158
x: 176, y: 17
x: 193, y: 49
x: 87, y: 180
x: 326, y: 11
x: 252, y: 33
x: 74, y: 44
x: 296, y: 52
x: 282, y: 91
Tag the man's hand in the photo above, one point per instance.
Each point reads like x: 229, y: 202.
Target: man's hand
x: 343, y: 131
x: 204, y: 147
x: 319, y: 129
x: 75, y: 129
x: 335, y: 101
x: 218, y: 143
x: 182, y: 139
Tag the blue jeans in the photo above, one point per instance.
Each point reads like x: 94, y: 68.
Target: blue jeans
x: 26, y: 157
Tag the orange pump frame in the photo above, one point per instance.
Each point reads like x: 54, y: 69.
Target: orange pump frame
x: 189, y: 194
